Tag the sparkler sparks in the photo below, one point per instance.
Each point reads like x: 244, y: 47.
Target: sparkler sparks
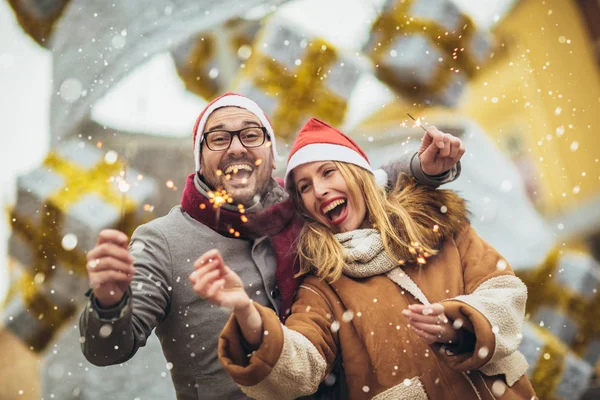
x: 219, y: 198
x: 417, y: 122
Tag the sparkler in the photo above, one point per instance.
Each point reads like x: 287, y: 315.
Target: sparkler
x: 417, y: 122
x: 123, y: 188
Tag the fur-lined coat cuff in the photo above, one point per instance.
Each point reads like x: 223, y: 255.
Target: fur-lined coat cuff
x: 249, y: 369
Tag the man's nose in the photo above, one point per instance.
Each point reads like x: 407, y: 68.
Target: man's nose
x: 236, y: 146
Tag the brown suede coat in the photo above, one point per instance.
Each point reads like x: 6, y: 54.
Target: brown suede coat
x: 353, y: 330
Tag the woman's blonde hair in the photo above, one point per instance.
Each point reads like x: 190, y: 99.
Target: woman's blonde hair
x: 320, y: 252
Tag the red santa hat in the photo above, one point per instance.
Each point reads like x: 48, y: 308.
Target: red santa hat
x: 318, y: 141
x: 229, y: 100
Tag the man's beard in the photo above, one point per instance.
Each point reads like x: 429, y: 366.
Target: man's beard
x: 241, y: 193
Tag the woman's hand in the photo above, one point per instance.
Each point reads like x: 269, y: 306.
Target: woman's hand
x: 430, y: 323
x: 216, y: 282
x: 439, y: 151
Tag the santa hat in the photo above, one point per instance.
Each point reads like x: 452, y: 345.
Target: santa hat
x: 229, y: 100
x: 317, y: 141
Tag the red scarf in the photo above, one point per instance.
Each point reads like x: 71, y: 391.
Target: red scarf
x: 280, y: 222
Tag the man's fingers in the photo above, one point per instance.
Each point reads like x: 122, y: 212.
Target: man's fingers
x: 113, y: 236
x: 109, y: 264
x: 108, y: 249
x: 110, y: 276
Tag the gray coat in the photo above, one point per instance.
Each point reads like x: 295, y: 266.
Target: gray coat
x: 161, y: 297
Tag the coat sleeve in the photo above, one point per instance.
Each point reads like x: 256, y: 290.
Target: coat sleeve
x: 292, y: 360
x: 410, y: 164
x: 112, y: 336
x: 492, y: 309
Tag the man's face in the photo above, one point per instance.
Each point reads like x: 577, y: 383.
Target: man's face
x: 242, y: 172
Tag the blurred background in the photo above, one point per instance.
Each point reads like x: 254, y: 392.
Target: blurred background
x: 99, y: 100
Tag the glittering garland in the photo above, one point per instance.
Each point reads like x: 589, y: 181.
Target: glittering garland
x: 45, y: 240
x: 195, y: 71
x: 300, y: 92
x: 545, y: 291
x: 398, y: 21
x: 549, y: 368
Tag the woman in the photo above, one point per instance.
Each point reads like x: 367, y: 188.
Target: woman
x: 402, y: 299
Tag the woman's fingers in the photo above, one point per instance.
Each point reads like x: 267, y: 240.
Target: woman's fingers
x: 427, y: 309
x: 211, y: 256
x: 215, y: 287
x: 427, y: 337
x: 426, y: 319
x: 435, y: 330
x: 455, y: 146
x: 207, y: 279
x: 205, y: 269
x: 445, y: 152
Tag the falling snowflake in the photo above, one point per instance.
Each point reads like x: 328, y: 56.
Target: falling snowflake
x: 111, y: 157
x: 69, y: 241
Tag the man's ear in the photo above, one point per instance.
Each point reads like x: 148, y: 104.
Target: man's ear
x: 201, y: 170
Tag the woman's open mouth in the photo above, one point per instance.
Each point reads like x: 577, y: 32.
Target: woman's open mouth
x: 335, y: 210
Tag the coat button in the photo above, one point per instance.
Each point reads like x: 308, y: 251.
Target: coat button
x: 275, y: 293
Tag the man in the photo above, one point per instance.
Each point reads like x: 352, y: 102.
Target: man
x: 145, y: 287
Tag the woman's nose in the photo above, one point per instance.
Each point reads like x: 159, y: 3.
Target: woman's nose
x: 321, y: 190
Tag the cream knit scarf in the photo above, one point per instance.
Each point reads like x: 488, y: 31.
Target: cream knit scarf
x: 365, y: 256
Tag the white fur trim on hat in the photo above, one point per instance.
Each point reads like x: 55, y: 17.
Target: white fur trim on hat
x: 232, y: 100
x: 325, y: 152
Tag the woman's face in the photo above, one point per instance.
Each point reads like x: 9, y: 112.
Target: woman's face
x: 327, y: 198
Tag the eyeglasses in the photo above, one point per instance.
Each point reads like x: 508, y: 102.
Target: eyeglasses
x: 220, y: 140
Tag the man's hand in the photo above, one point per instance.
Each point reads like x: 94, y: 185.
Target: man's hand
x: 110, y: 267
x: 429, y: 322
x: 215, y: 281
x: 439, y: 151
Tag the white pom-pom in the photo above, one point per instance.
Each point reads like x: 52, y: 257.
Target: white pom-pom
x: 381, y: 177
